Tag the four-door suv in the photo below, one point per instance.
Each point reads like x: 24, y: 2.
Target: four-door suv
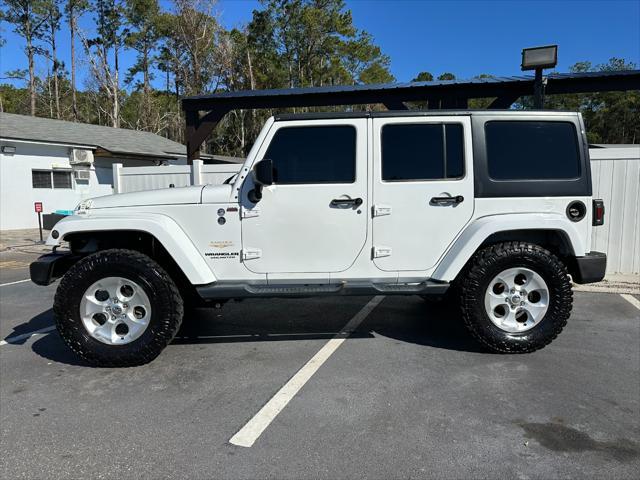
x: 493, y: 208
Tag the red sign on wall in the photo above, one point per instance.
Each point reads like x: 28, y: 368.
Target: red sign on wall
x: 38, y: 207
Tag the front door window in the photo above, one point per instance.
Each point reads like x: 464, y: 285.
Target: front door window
x: 303, y: 155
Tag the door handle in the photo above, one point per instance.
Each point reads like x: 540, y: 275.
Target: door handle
x: 447, y: 200
x: 346, y: 202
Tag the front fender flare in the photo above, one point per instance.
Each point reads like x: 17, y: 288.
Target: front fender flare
x: 163, y: 228
x: 479, y: 230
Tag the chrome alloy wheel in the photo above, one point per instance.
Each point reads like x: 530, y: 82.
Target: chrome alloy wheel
x: 115, y: 310
x: 516, y: 300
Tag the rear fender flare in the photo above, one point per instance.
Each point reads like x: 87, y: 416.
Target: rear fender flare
x: 479, y: 230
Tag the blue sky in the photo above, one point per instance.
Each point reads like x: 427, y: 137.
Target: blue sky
x: 463, y: 37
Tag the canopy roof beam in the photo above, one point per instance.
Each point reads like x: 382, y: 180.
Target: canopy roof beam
x: 204, y: 112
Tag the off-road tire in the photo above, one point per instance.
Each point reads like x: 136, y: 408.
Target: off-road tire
x: 166, y: 307
x: 488, y: 263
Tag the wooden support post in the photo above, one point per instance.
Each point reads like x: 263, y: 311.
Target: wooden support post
x: 192, y: 118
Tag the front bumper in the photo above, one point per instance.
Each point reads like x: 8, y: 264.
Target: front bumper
x: 590, y: 268
x: 48, y: 268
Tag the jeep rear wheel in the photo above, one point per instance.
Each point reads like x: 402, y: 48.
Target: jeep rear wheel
x: 516, y: 297
x: 117, y: 308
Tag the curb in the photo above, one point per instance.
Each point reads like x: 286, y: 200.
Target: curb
x: 607, y: 287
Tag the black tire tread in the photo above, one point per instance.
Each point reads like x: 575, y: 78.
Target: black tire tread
x: 75, y: 336
x: 471, y: 292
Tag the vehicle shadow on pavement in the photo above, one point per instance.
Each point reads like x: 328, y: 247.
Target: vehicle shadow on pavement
x: 52, y: 348
x: 214, y: 326
x: 47, y: 345
x: 436, y: 325
x: 412, y: 320
x: 405, y: 319
x: 40, y: 321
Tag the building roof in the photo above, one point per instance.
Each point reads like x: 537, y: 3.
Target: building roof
x: 116, y: 141
x: 215, y: 158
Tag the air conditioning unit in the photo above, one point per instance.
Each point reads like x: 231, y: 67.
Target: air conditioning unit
x: 81, y: 156
x: 82, y: 174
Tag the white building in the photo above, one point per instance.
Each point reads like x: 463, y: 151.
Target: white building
x: 61, y: 163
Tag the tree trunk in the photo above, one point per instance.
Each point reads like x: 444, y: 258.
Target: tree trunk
x: 146, y: 107
x: 32, y: 82
x: 252, y: 83
x: 56, y: 89
x: 145, y: 68
x: 50, y: 93
x: 74, y: 101
x: 242, y: 133
x: 116, y: 88
x: 251, y: 79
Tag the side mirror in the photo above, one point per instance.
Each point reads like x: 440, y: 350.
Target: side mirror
x: 263, y: 172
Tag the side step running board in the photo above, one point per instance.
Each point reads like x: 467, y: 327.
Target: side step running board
x: 293, y: 289
x: 224, y: 290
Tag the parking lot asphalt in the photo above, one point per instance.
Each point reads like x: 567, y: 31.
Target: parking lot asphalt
x: 407, y: 395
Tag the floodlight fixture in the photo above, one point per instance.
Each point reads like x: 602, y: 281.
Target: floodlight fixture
x: 539, y: 57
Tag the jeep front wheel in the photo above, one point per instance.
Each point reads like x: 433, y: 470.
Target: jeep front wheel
x: 516, y: 297
x: 117, y: 308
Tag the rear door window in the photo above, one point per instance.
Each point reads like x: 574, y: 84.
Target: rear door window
x: 422, y: 151
x: 532, y: 150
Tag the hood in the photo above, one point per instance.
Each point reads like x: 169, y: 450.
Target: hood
x: 217, y: 193
x: 165, y: 196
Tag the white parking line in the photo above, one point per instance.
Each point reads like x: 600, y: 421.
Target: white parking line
x: 631, y: 299
x: 24, y: 336
x: 248, y: 434
x: 14, y: 283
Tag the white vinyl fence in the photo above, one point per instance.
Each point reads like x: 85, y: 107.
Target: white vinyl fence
x: 135, y: 179
x: 615, y: 173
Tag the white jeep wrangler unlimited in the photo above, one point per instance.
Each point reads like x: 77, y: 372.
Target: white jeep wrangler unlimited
x: 493, y: 207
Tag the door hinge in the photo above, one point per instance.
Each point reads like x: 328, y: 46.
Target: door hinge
x: 381, y: 251
x: 250, y: 212
x: 251, y: 253
x: 381, y: 210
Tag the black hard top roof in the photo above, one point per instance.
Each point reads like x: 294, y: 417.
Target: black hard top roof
x: 416, y: 113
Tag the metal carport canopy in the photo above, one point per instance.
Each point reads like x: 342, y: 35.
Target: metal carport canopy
x: 437, y: 94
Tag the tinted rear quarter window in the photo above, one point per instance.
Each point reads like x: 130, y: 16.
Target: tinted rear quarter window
x: 532, y: 150
x: 455, y: 150
x: 319, y: 154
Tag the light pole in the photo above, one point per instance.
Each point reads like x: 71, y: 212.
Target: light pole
x: 539, y: 58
